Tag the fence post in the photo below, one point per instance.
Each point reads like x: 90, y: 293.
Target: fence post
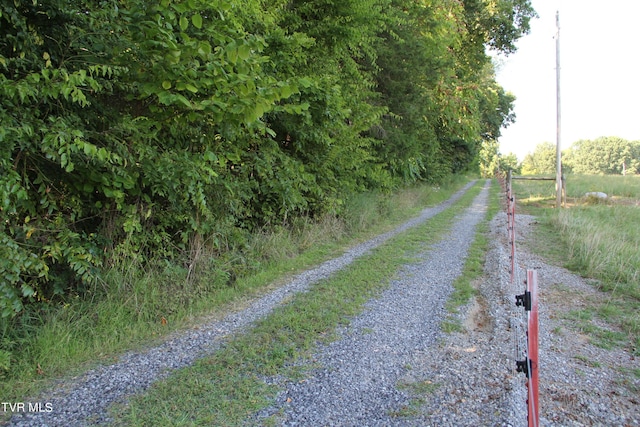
x: 511, y: 223
x: 532, y: 350
x: 529, y: 300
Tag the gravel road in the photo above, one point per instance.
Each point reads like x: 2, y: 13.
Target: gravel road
x: 364, y: 376
x: 85, y: 400
x: 393, y: 366
x: 473, y: 371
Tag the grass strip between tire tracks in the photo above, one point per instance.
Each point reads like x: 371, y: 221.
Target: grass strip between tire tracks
x: 227, y: 387
x: 473, y: 269
x: 142, y: 306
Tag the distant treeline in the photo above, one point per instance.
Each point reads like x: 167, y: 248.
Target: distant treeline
x: 151, y: 129
x: 601, y: 156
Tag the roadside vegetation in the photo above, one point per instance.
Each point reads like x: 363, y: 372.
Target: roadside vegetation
x: 227, y: 387
x: 143, y: 306
x: 154, y: 155
x: 464, y: 285
x: 157, y: 133
x: 598, y: 239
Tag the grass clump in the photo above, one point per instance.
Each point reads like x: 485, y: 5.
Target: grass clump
x: 603, y: 242
x: 600, y: 241
x: 139, y: 303
x: 420, y: 390
x: 228, y: 387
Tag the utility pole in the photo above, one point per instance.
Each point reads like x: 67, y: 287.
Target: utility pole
x: 558, y: 145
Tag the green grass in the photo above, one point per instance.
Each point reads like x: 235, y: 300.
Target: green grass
x: 420, y: 391
x: 603, y: 242
x: 451, y: 325
x: 138, y: 306
x: 626, y: 379
x: 620, y: 189
x: 227, y: 387
x: 473, y: 268
x: 587, y: 361
x: 597, y: 240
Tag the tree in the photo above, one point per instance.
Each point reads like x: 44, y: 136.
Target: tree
x: 604, y: 155
x: 541, y: 161
x: 489, y: 158
x: 442, y: 104
x: 124, y: 127
x: 137, y: 130
x: 510, y: 162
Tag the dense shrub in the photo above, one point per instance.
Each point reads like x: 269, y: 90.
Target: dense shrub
x: 145, y: 130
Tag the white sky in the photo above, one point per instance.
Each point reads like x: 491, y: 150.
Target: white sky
x: 599, y: 68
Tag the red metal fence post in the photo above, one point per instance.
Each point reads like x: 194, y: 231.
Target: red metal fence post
x: 511, y: 224
x: 532, y: 350
x: 529, y: 300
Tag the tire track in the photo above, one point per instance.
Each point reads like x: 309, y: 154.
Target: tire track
x: 359, y: 381
x: 86, y: 400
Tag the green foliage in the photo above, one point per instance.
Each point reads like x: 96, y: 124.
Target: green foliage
x: 147, y: 132
x: 604, y: 156
x: 489, y: 158
x: 601, y: 156
x: 510, y: 161
x: 5, y: 360
x: 541, y: 161
x: 498, y: 24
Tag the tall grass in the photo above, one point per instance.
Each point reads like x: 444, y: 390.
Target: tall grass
x: 618, y: 188
x: 613, y: 185
x: 601, y: 240
x: 604, y: 243
x: 139, y: 304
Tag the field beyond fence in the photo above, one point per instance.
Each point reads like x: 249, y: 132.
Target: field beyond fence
x: 598, y: 238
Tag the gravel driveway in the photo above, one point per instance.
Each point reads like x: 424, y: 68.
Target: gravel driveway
x: 85, y: 400
x: 473, y: 371
x: 363, y: 373
x: 393, y: 366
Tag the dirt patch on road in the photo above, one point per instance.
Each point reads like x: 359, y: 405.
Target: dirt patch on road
x: 478, y: 318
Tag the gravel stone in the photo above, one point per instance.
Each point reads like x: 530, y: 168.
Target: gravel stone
x: 393, y: 366
x: 580, y: 384
x: 86, y: 399
x: 357, y: 383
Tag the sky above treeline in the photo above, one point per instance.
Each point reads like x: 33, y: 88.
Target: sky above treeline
x: 599, y: 75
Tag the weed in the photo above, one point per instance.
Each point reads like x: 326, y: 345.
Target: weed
x: 451, y: 325
x: 5, y: 361
x: 580, y: 315
x: 598, y: 240
x: 587, y: 361
x: 423, y: 387
x: 419, y: 392
x: 225, y: 388
x: 631, y: 371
